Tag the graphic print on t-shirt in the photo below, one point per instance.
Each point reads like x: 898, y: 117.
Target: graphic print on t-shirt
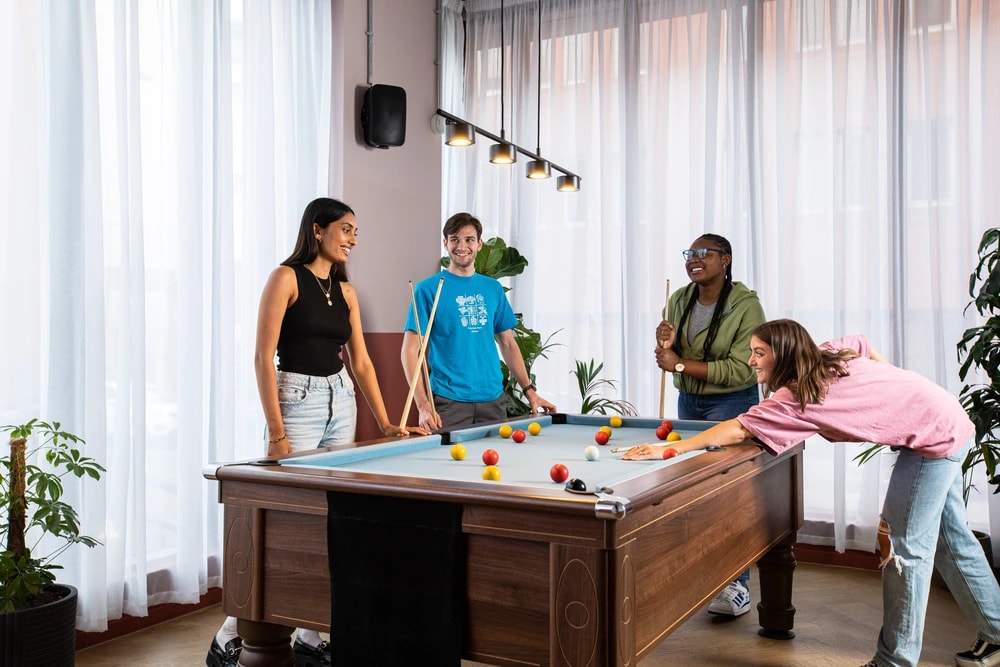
x: 472, y: 311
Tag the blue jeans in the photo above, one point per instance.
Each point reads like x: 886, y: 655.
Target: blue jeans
x: 317, y: 411
x: 923, y: 524
x: 719, y: 407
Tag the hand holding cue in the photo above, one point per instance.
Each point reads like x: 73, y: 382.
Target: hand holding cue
x: 663, y: 373
x: 427, y: 375
x: 420, y: 355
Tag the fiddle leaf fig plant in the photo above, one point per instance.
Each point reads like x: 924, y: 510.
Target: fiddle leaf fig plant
x: 31, y: 507
x: 979, y: 353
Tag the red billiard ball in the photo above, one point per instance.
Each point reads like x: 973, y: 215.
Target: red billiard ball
x: 518, y: 435
x: 662, y: 432
x: 559, y: 473
x: 669, y: 453
x: 669, y: 424
x: 601, y: 438
x: 491, y: 457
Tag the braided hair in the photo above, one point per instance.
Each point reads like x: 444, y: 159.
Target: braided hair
x: 720, y: 306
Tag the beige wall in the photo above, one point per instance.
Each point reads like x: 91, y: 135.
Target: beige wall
x: 395, y: 192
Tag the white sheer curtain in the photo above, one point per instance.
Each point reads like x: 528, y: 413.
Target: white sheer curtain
x: 157, y: 159
x: 843, y: 146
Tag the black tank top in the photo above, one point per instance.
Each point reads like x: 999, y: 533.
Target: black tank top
x: 312, y: 332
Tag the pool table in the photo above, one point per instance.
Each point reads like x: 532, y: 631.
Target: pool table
x: 551, y: 577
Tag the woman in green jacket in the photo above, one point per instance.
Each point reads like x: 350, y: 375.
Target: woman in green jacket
x: 705, y: 342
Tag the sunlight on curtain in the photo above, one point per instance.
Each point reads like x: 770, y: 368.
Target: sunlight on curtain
x: 842, y: 147
x: 161, y: 156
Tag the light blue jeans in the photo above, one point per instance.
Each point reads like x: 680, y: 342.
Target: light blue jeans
x: 923, y: 524
x: 317, y: 411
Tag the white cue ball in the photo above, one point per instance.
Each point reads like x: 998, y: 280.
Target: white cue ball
x: 591, y: 453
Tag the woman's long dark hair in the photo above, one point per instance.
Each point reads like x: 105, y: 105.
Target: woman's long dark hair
x: 799, y: 364
x: 322, y: 212
x: 713, y: 328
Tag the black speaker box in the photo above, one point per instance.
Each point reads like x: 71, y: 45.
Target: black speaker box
x: 383, y: 116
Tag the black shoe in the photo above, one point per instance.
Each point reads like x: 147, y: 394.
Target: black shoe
x: 228, y: 657
x: 312, y: 656
x: 983, y: 654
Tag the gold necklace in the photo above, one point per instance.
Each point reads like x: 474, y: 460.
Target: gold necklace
x: 326, y: 291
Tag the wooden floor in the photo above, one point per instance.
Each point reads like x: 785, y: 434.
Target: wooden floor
x: 839, y: 612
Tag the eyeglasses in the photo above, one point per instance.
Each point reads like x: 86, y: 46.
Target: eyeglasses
x: 700, y: 253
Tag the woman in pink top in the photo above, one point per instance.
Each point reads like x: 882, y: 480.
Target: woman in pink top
x: 845, y: 391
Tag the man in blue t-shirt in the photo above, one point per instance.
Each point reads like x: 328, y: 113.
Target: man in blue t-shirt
x: 473, y: 318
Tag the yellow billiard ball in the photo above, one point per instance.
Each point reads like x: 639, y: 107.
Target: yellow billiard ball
x: 505, y: 431
x: 534, y: 428
x: 615, y: 421
x: 491, y: 473
x: 673, y: 436
x: 606, y: 429
x: 458, y: 452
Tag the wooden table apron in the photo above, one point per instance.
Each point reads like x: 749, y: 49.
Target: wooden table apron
x: 548, y: 581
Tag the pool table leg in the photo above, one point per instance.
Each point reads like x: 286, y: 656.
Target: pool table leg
x: 775, y: 611
x: 265, y: 644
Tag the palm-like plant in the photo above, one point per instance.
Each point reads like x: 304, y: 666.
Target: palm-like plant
x: 979, y: 351
x: 590, y: 383
x: 31, y: 506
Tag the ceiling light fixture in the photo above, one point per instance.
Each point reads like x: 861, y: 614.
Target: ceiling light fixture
x: 459, y: 133
x: 539, y: 168
x: 503, y: 152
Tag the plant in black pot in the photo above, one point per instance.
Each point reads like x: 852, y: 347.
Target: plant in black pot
x: 38, y: 615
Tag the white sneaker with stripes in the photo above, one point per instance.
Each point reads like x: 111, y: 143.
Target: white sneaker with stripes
x: 733, y: 600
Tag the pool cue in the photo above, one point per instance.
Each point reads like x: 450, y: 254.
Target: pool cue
x: 427, y: 374
x: 663, y: 373
x: 420, y: 355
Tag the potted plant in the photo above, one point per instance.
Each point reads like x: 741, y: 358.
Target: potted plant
x: 39, y: 615
x: 979, y: 352
x: 589, y: 382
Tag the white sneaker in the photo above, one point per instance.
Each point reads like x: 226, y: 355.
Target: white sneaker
x: 734, y: 600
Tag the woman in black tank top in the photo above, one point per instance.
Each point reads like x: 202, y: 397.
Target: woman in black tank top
x: 308, y: 313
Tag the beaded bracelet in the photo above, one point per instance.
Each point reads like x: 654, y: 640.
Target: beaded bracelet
x: 276, y: 440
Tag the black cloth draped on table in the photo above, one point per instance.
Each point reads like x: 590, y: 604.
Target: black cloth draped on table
x: 397, y: 581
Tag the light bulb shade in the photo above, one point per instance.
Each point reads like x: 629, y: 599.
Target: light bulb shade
x: 459, y: 134
x: 503, y: 153
x: 568, y: 183
x: 539, y: 169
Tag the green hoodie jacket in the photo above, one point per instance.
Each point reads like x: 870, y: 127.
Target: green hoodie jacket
x: 727, y: 366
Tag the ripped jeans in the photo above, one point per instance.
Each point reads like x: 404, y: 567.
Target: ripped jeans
x: 923, y: 523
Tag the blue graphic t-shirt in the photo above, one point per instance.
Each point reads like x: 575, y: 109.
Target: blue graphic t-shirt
x: 462, y: 353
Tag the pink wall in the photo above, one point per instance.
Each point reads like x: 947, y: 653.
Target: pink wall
x: 395, y: 192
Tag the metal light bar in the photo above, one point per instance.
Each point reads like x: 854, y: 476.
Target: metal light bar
x: 570, y: 179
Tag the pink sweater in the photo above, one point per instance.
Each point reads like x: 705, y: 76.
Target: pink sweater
x: 877, y: 403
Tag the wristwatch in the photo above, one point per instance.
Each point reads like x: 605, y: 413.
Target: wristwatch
x: 530, y: 387
x: 679, y: 367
